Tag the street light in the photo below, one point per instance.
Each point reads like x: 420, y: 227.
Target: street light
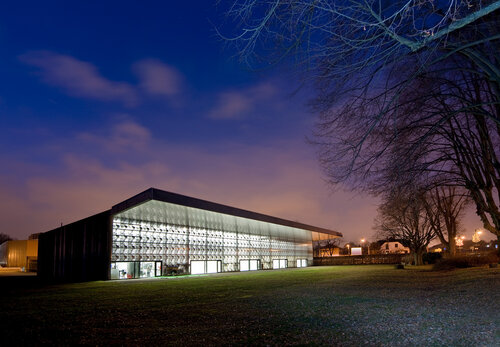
x: 477, y: 235
x: 348, y: 253
x: 363, y: 244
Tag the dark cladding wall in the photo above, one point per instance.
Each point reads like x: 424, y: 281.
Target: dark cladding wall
x: 80, y: 251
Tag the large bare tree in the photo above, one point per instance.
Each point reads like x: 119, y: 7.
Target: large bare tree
x: 352, y: 36
x: 444, y: 131
x: 405, y: 88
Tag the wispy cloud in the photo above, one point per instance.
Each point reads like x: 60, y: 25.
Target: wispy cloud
x: 157, y: 78
x: 280, y: 178
x: 79, y: 78
x: 124, y: 136
x: 237, y: 104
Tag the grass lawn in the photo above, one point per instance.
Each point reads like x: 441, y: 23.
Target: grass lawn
x: 331, y: 305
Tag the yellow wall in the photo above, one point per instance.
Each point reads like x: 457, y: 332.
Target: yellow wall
x: 18, y: 252
x: 32, y: 248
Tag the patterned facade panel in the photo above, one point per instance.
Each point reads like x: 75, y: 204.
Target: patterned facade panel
x: 177, y: 235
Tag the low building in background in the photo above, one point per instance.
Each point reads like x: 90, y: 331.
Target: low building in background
x: 20, y: 253
x: 356, y: 251
x: 157, y: 233
x: 393, y: 247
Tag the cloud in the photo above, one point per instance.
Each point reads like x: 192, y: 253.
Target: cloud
x: 79, y: 78
x: 231, y: 105
x: 280, y: 178
x: 125, y: 135
x: 236, y: 104
x: 157, y: 78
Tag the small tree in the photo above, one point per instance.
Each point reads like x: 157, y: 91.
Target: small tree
x: 331, y: 245
x: 328, y: 246
x: 445, y: 207
x: 402, y: 216
x: 375, y: 246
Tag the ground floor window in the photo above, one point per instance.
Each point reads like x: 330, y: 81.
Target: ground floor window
x: 280, y: 263
x: 301, y: 262
x: 249, y: 264
x: 205, y: 266
x: 135, y: 269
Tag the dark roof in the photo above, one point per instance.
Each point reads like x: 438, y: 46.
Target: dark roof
x: 178, y: 199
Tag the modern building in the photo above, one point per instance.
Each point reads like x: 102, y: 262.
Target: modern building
x: 156, y: 233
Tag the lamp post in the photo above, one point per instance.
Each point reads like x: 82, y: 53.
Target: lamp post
x: 363, y: 245
x: 348, y: 249
x: 477, y: 235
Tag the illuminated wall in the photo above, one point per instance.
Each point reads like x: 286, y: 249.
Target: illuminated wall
x: 17, y: 253
x: 157, y: 233
x: 176, y: 235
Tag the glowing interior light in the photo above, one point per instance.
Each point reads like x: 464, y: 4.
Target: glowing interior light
x: 197, y: 267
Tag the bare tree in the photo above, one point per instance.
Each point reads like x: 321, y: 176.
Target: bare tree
x: 445, y: 207
x: 405, y: 88
x: 330, y: 246
x: 402, y: 216
x: 444, y: 131
x: 352, y: 36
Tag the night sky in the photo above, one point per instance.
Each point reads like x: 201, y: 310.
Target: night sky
x: 102, y: 100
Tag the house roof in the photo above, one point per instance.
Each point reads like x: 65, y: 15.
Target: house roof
x: 178, y: 199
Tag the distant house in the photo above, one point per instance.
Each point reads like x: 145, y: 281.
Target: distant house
x: 393, y: 247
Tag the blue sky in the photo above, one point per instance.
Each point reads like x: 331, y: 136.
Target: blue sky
x: 101, y: 100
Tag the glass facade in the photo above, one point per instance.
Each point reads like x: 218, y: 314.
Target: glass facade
x: 156, y: 237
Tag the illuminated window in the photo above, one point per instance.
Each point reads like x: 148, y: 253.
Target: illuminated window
x: 249, y: 264
x: 301, y: 262
x: 124, y: 270
x: 197, y: 267
x: 205, y: 266
x: 135, y: 269
x: 212, y: 267
x: 280, y: 263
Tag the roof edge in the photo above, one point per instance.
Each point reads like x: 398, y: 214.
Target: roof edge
x: 183, y: 200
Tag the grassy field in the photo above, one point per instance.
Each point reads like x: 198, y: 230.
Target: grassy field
x: 337, y: 305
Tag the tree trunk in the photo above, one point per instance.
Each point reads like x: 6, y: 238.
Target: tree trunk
x: 452, y: 246
x: 418, y: 257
